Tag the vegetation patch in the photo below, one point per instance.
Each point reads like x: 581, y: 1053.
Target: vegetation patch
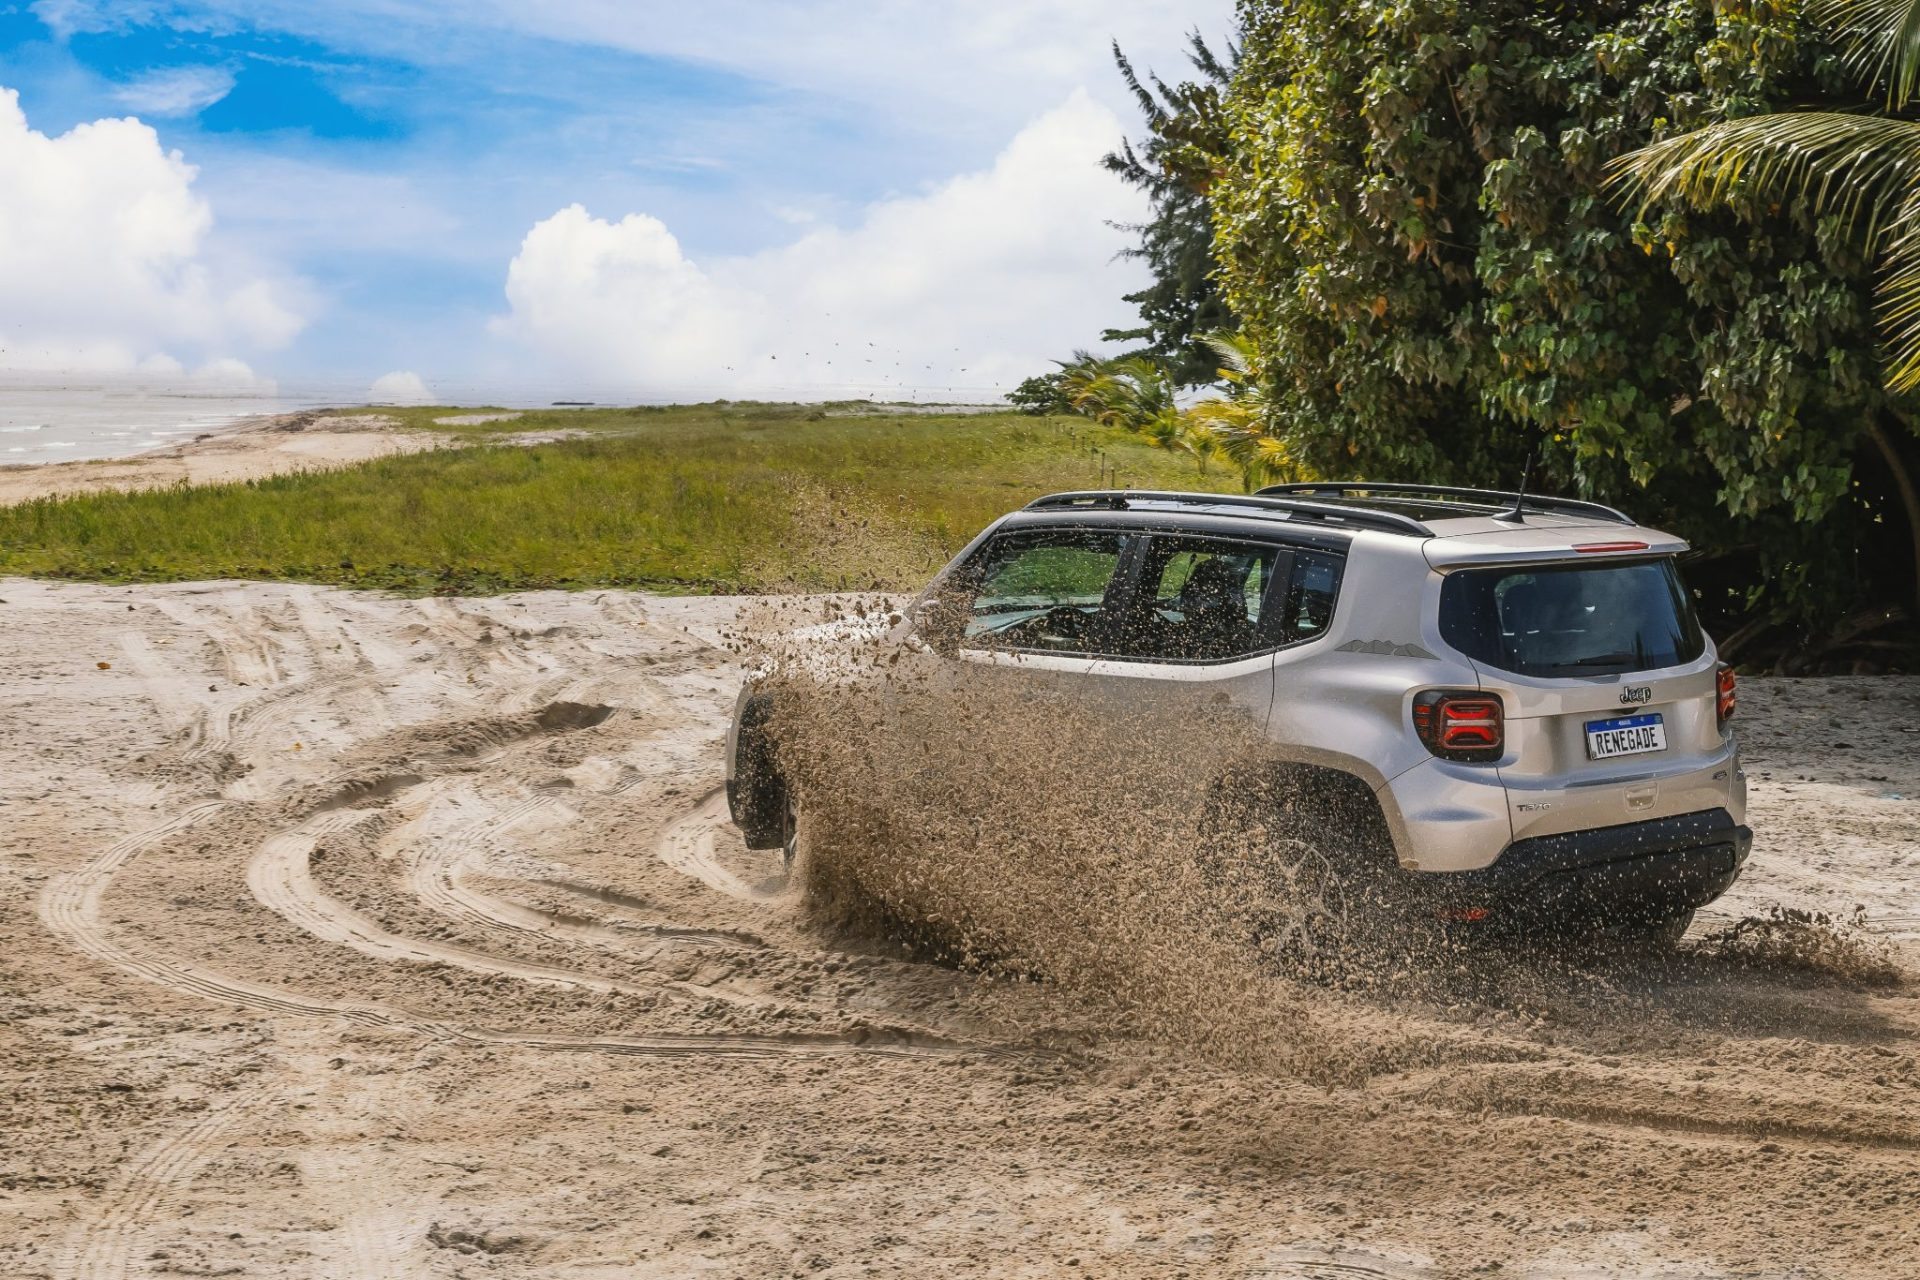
x: 722, y: 498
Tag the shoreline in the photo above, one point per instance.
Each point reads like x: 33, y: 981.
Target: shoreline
x: 249, y: 448
x: 259, y: 445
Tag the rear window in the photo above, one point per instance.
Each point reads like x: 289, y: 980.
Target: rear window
x: 1310, y: 596
x: 1572, y: 620
x: 1200, y: 600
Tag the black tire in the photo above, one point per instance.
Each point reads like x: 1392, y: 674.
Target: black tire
x: 758, y: 797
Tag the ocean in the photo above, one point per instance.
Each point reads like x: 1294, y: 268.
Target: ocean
x: 66, y: 418
x: 61, y: 421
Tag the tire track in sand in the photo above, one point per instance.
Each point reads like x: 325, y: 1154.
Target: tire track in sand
x: 69, y: 907
x: 687, y: 845
x: 436, y: 876
x: 281, y: 878
x: 368, y: 1242
x: 103, y: 1245
x: 247, y: 652
x: 345, y: 1178
x: 206, y: 731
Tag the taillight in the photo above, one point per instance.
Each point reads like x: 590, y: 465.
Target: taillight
x: 1727, y: 699
x: 1460, y: 726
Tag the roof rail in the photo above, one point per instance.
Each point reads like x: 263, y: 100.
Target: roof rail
x: 1545, y: 503
x: 1319, y: 512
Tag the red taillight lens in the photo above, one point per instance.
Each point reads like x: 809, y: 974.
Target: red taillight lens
x: 1470, y: 725
x: 1460, y: 726
x: 1728, y: 699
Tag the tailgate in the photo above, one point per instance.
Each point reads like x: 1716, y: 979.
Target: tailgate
x: 1608, y: 685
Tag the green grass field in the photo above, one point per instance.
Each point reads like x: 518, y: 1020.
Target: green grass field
x: 727, y: 497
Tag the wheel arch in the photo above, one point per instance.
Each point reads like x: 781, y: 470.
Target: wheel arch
x: 1329, y: 797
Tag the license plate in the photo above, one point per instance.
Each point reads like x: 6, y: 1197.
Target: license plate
x: 1626, y: 736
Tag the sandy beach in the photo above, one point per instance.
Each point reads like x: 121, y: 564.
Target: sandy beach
x: 359, y: 936
x: 1254, y: 566
x: 250, y: 449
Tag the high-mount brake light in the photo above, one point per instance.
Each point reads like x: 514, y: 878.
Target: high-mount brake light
x: 1601, y: 548
x: 1458, y: 725
x: 1727, y: 697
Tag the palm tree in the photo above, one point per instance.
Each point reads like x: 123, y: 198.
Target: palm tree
x: 1130, y: 392
x: 1239, y: 425
x: 1863, y: 166
x: 1145, y: 391
x: 1173, y: 165
x: 1137, y: 394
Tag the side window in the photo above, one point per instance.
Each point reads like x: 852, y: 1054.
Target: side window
x: 1044, y: 591
x: 1201, y: 600
x: 1311, y: 594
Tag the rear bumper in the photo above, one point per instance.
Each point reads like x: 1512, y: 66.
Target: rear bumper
x: 1653, y: 868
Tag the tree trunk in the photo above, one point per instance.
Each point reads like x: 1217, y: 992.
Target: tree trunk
x: 1909, y: 500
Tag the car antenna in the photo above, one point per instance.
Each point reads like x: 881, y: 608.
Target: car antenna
x: 1516, y: 514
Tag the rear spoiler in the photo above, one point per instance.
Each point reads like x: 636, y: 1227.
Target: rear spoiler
x: 1551, y: 546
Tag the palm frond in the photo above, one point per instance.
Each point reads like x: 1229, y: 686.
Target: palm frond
x: 1234, y: 351
x: 1859, y: 167
x: 1243, y: 431
x: 1899, y: 298
x: 1882, y: 40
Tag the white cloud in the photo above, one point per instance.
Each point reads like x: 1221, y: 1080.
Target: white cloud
x: 176, y: 91
x: 962, y: 290
x: 106, y: 260
x: 989, y: 57
x: 952, y: 69
x: 229, y: 374
x: 68, y: 17
x: 400, y: 387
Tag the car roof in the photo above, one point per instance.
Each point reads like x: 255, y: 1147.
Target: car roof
x: 1457, y: 526
x: 1214, y: 521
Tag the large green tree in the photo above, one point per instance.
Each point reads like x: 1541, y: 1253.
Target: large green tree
x: 1412, y: 220
x: 1862, y: 166
x: 1172, y: 164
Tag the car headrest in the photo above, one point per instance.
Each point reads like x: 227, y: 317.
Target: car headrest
x: 1215, y: 583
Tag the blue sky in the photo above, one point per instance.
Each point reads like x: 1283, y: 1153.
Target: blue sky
x: 380, y: 169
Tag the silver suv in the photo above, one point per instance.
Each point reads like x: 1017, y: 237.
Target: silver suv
x: 1508, y: 698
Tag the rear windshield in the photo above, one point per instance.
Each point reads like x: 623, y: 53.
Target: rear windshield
x: 1573, y: 620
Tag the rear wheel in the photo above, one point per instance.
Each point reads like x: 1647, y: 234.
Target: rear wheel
x: 1301, y: 918
x: 1302, y: 869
